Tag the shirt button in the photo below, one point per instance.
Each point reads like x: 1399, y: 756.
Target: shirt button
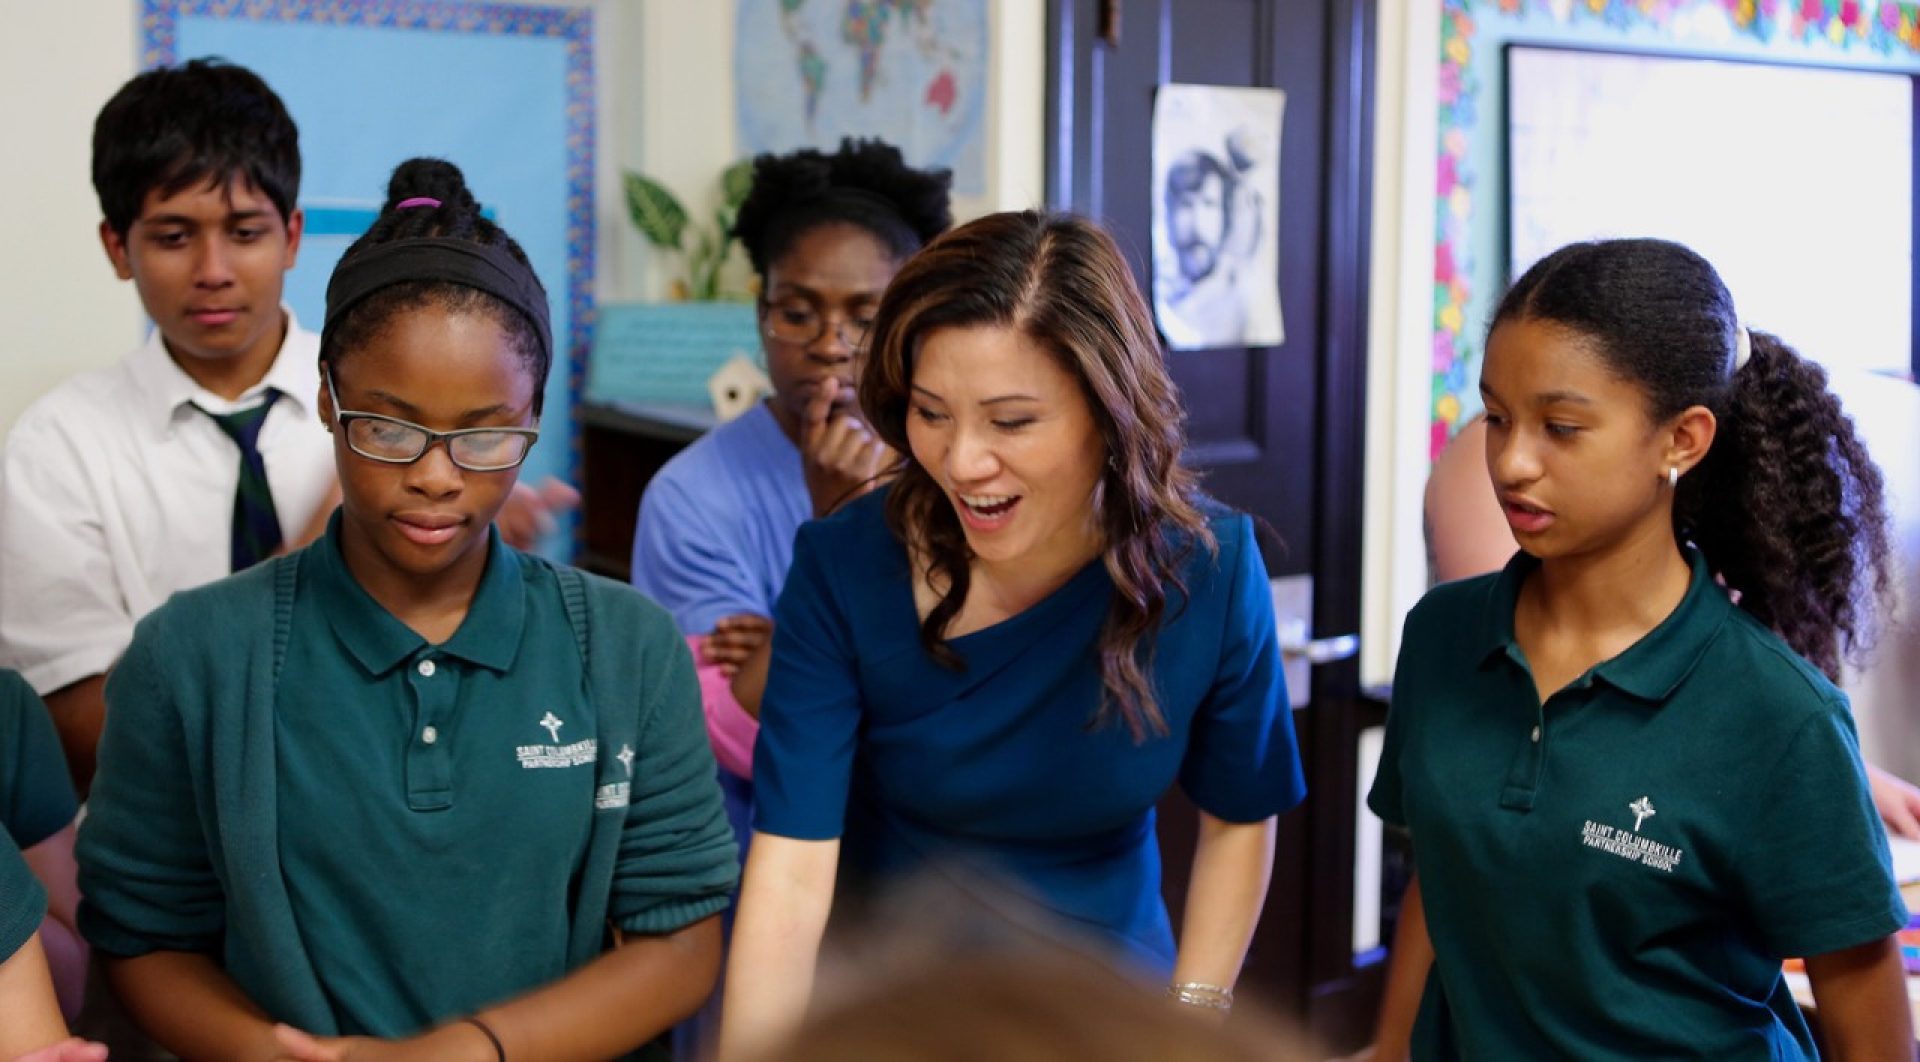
x: 1536, y: 735
x: 430, y: 735
x: 426, y: 668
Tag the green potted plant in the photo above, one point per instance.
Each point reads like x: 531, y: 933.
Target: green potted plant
x: 700, y: 349
x: 667, y: 225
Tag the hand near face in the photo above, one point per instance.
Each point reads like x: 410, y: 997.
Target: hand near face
x: 734, y: 640
x: 840, y: 456
x: 530, y: 513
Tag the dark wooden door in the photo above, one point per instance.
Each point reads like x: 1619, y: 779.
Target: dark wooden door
x: 1276, y: 430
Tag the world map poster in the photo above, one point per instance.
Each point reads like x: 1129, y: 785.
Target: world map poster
x: 911, y: 72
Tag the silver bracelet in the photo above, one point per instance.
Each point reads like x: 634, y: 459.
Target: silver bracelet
x: 1199, y: 994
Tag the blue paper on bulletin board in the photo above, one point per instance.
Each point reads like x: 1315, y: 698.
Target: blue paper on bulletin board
x: 663, y: 353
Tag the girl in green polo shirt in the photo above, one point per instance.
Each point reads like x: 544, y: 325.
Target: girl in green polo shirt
x: 1631, y: 785
x: 409, y: 793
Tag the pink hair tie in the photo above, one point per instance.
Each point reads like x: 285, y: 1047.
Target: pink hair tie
x: 416, y: 201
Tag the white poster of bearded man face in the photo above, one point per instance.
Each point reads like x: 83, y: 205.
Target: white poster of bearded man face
x: 1215, y: 216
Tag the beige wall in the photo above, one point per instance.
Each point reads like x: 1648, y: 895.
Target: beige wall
x: 678, y: 126
x: 1400, y: 327
x: 666, y: 108
x: 62, y: 309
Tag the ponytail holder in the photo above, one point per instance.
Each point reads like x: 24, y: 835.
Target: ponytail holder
x: 416, y: 201
x: 1742, y: 348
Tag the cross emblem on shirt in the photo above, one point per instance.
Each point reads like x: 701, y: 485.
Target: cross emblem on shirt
x: 626, y: 759
x: 553, y: 725
x: 1641, y: 808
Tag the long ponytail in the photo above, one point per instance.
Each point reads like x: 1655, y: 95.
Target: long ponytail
x: 1789, y: 508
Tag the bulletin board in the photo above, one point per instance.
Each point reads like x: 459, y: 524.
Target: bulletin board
x: 1471, y: 256
x: 505, y: 91
x: 1717, y: 154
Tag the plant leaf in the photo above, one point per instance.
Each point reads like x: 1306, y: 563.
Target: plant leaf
x: 655, y: 211
x: 735, y: 182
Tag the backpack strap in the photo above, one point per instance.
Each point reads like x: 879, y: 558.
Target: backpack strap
x: 286, y: 570
x: 573, y: 594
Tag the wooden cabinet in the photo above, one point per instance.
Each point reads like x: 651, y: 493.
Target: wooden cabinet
x: 622, y: 445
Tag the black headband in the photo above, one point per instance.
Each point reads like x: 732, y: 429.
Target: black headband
x: 491, y: 269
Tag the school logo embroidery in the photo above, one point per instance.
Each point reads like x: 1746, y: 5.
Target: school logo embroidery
x: 1632, y: 846
x: 577, y: 754
x: 612, y: 795
x: 1641, y: 808
x: 617, y: 794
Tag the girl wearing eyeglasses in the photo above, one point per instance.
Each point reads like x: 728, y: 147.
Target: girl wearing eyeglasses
x: 825, y: 233
x: 714, y: 537
x: 408, y: 792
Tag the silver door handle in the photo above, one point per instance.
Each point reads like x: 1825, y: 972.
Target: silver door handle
x: 1293, y: 642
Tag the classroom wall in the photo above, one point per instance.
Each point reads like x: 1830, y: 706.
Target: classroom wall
x: 665, y: 108
x: 63, y: 309
x: 679, y: 128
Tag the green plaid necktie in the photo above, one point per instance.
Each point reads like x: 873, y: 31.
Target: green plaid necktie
x: 256, y: 527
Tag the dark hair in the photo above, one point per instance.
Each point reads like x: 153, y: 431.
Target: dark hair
x: 1063, y: 282
x: 1030, y: 1007
x: 1786, y: 505
x: 865, y: 183
x: 205, y: 121
x: 458, y: 217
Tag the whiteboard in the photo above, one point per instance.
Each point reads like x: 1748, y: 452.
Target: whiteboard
x: 1795, y: 182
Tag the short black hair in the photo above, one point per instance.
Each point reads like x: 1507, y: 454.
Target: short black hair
x: 457, y: 217
x: 865, y: 183
x: 205, y: 121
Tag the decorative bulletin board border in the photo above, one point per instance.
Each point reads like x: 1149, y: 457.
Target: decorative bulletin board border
x: 1886, y: 27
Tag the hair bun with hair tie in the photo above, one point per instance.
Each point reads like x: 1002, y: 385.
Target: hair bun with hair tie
x: 1742, y: 347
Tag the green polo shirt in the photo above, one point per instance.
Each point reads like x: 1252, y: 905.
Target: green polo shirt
x: 435, y: 801
x: 36, y: 794
x: 23, y: 903
x: 1618, y: 873
x: 36, y: 802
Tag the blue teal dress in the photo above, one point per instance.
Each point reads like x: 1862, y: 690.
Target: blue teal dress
x: 866, y: 738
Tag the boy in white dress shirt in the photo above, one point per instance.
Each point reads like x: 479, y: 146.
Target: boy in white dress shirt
x: 198, y: 453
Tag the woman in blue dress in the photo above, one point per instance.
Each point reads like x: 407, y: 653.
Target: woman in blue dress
x: 1006, y: 657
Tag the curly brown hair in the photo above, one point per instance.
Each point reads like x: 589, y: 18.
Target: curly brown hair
x: 1787, y: 506
x: 1062, y: 281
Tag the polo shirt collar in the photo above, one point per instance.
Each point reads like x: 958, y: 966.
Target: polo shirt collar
x: 1650, y: 669
x: 165, y: 390
x: 489, y: 637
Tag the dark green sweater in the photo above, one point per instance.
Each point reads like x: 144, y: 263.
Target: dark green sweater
x: 179, y: 849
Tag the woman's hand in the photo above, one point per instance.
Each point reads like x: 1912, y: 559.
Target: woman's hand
x: 840, y: 456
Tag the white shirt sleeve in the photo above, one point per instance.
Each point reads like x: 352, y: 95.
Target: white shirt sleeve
x: 63, y: 616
